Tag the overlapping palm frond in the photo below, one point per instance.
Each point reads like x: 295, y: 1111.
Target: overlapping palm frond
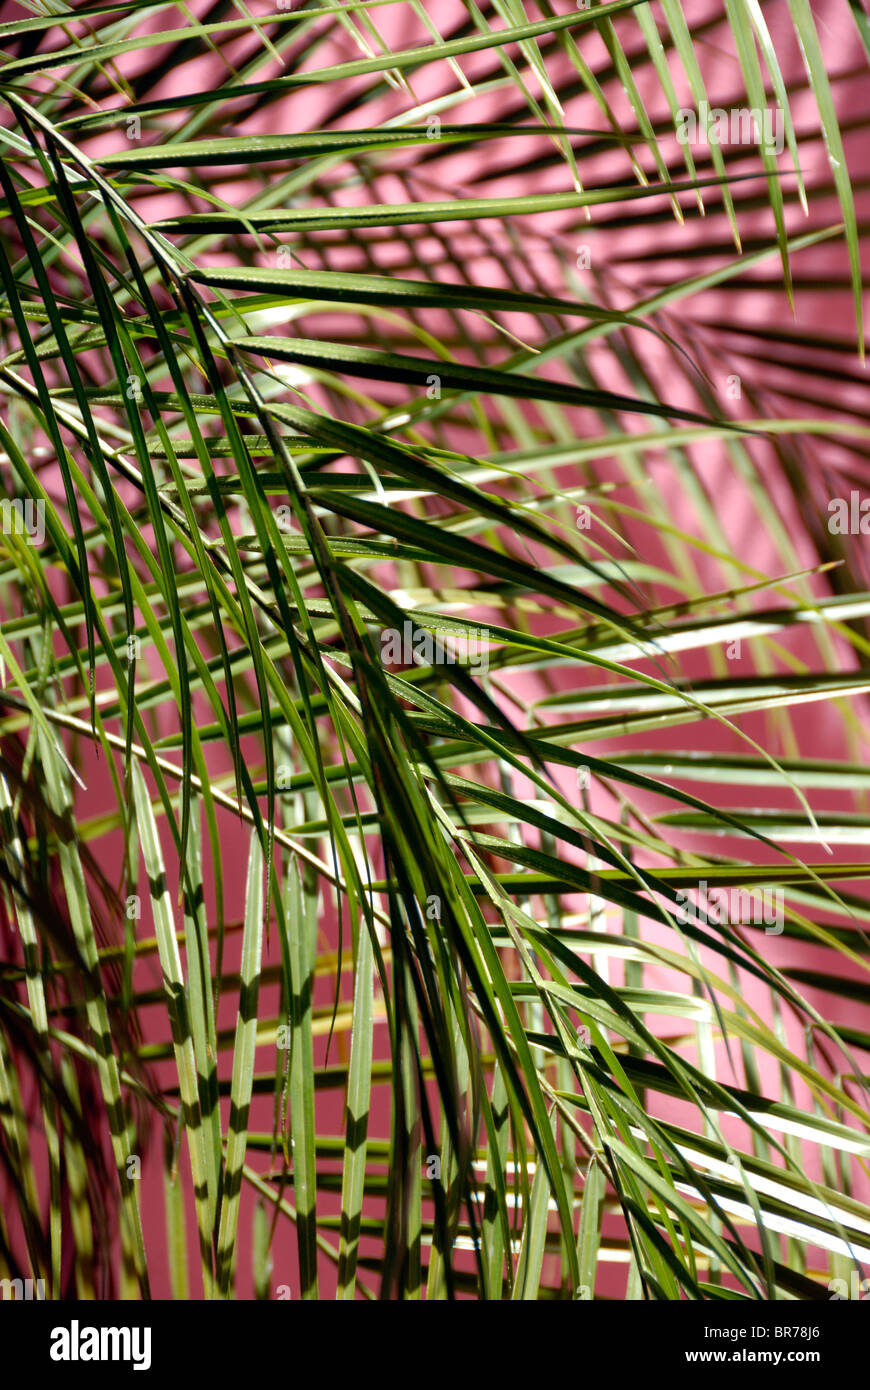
x: 383, y: 671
